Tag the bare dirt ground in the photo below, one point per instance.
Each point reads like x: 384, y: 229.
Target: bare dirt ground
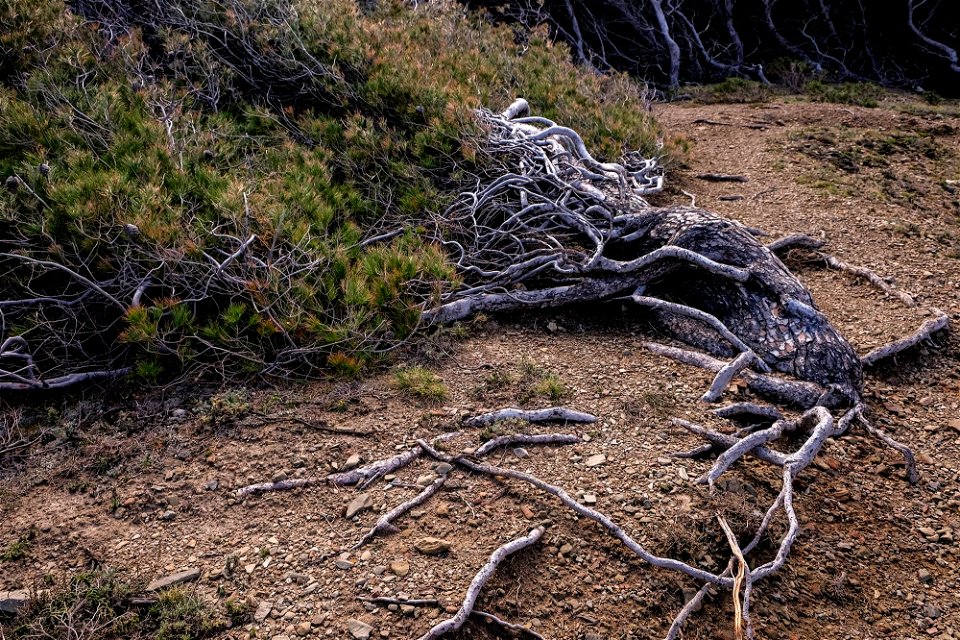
x: 150, y: 488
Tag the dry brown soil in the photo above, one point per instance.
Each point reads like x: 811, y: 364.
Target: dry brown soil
x: 149, y: 488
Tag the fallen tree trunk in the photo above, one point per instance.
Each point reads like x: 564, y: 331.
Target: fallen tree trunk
x: 556, y: 227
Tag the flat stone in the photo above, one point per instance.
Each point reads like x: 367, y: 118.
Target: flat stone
x: 400, y: 567
x: 589, y: 498
x: 174, y: 578
x: 263, y: 610
x: 432, y: 546
x: 351, y: 463
x: 925, y: 576
x: 303, y: 629
x: 595, y: 460
x: 358, y: 629
x: 13, y: 601
x: 358, y: 504
x: 444, y: 468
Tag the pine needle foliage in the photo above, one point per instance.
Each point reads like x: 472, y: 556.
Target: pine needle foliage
x: 240, y: 187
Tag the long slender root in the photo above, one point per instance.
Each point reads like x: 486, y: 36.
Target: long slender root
x: 282, y: 485
x: 926, y: 330
x: 788, y: 392
x: 385, y: 522
x: 913, y: 475
x: 365, y: 476
x: 476, y: 585
x: 726, y: 375
x: 869, y: 276
x: 583, y: 510
x: 748, y: 411
x: 551, y: 414
x: 520, y: 438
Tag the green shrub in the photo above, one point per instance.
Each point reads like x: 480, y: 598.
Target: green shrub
x: 221, y: 211
x: 733, y: 90
x: 98, y: 605
x: 863, y: 94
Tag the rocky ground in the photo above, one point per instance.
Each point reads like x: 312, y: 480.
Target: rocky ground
x: 149, y: 486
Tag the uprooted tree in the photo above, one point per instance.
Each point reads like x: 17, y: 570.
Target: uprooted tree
x: 557, y: 227
x: 546, y: 225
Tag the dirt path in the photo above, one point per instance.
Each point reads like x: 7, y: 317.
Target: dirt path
x: 876, y: 557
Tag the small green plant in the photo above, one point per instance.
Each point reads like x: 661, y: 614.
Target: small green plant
x: 226, y: 407
x: 98, y: 605
x: 237, y: 610
x: 420, y: 383
x: 180, y: 614
x: 18, y: 549
x: 550, y: 386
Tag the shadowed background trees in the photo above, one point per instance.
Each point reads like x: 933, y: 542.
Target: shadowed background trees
x: 904, y: 43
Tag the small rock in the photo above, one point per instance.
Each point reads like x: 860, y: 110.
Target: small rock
x: 444, y: 468
x: 358, y: 629
x: 342, y: 563
x: 400, y: 567
x: 521, y: 453
x: 279, y: 477
x: 595, y: 460
x: 358, y: 504
x: 263, y: 610
x: 303, y: 629
x: 925, y: 576
x: 351, y: 463
x: 931, y: 611
x: 168, y: 515
x: 552, y: 327
x: 13, y: 601
x: 566, y: 549
x: 425, y: 479
x: 432, y: 546
x: 172, y: 579
x: 589, y: 498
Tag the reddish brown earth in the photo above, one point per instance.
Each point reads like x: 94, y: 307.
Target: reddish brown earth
x: 150, y: 488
